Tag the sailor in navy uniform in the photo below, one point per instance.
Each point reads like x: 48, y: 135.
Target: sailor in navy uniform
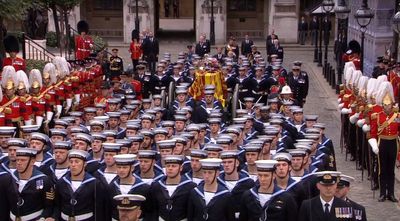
x: 83, y: 141
x: 297, y: 119
x: 27, y: 130
x: 128, y: 183
x: 326, y: 142
x: 8, y: 192
x: 326, y: 206
x: 79, y: 195
x: 96, y: 151
x: 35, y: 191
x: 246, y: 84
x: 146, y: 168
x: 170, y: 194
x: 323, y: 153
x: 9, y: 162
x: 266, y: 201
x: 160, y: 82
x: 60, y: 165
x: 297, y: 164
x: 252, y: 153
x: 195, y: 173
x: 282, y: 171
x: 44, y: 158
x: 343, y: 188
x: 182, y: 99
x: 210, y: 200
x: 113, y: 124
x: 129, y: 206
x: 108, y: 171
x: 309, y: 120
x: 207, y: 105
x: 58, y: 135
x: 236, y: 181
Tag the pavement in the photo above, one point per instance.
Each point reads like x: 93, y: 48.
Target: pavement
x: 321, y: 100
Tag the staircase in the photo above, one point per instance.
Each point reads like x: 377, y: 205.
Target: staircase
x: 34, y: 50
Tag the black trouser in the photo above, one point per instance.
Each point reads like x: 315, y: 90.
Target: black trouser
x: 352, y: 144
x: 387, y: 160
x: 135, y: 62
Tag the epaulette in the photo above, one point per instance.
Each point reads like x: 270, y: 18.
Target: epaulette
x: 346, y: 97
x: 374, y: 116
x: 22, y: 99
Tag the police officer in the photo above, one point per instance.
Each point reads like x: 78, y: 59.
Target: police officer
x: 116, y: 64
x: 326, y: 205
x: 266, y: 201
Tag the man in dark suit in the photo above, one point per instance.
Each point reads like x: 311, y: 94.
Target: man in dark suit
x: 270, y: 44
x: 150, y: 51
x: 203, y: 46
x: 303, y: 29
x: 326, y: 206
x: 220, y: 56
x: 246, y: 45
x: 342, y: 190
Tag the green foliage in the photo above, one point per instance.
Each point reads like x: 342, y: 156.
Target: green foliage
x: 99, y: 43
x: 32, y: 64
x: 15, y: 9
x: 64, y: 4
x: 51, y: 39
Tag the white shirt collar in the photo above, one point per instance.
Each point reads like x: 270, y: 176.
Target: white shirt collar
x: 324, y: 202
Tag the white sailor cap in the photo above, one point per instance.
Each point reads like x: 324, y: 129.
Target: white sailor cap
x: 180, y: 139
x: 84, y: 137
x: 319, y: 125
x: 76, y: 113
x: 58, y: 132
x: 40, y: 136
x: 96, y: 123
x: 165, y: 144
x: 282, y: 156
x: 248, y: 99
x: 345, y: 180
x: 226, y: 154
x: 168, y: 123
x: 111, y: 147
x: 30, y: 128
x: 157, y: 96
x: 266, y: 165
x: 89, y: 110
x: 124, y: 142
x: 160, y: 130
x: 137, y: 138
x: 98, y: 136
x: 104, y: 118
x: 110, y: 133
x: 147, y: 133
x: 128, y: 201
x: 79, y: 129
x: 252, y: 148
x: 114, y: 114
x: 297, y: 152
x: 26, y: 152
x: 173, y: 159
x: 148, y: 154
x: 210, y: 163
x: 7, y: 130
x: 80, y: 154
x: 113, y: 100
x: 65, y: 145
x: 132, y: 126
x: 198, y: 153
x: 310, y: 117
x: 212, y: 147
x: 193, y: 127
x: 124, y: 159
x: 16, y: 142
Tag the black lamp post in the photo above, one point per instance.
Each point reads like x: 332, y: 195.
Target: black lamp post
x: 320, y: 41
x: 327, y: 6
x: 396, y: 28
x: 342, y: 14
x: 363, y: 16
x: 316, y: 39
x: 212, y: 25
x: 137, y: 16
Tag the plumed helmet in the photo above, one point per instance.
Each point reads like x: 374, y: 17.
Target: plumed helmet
x: 11, y: 44
x: 354, y: 46
x: 82, y: 26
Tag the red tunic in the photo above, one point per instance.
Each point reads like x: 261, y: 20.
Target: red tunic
x: 18, y: 63
x: 136, y: 50
x: 83, y: 45
x: 394, y: 79
x: 389, y: 132
x: 38, y: 105
x: 49, y: 95
x: 12, y: 109
x: 26, y: 107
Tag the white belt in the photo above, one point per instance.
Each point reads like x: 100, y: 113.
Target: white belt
x: 78, y: 217
x: 243, y: 90
x: 81, y: 49
x: 159, y: 88
x: 161, y: 219
x: 27, y: 217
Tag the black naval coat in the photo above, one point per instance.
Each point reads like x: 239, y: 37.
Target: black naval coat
x: 358, y: 210
x: 220, y: 207
x: 312, y: 210
x: 139, y: 187
x: 299, y: 86
x: 38, y: 194
x: 8, y: 193
x: 244, y: 183
x: 280, y: 207
x: 90, y: 197
x: 170, y: 208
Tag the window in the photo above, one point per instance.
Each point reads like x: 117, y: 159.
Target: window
x: 108, y: 4
x: 242, y: 5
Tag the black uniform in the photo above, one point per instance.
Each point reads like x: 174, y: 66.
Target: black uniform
x: 8, y: 193
x: 170, y: 207
x: 281, y: 206
x: 150, y: 52
x: 313, y: 209
x: 160, y: 83
x: 299, y: 85
x: 220, y: 207
x: 202, y: 48
x: 116, y: 66
x: 246, y: 47
x: 37, y: 196
x: 358, y: 210
x: 139, y: 187
x: 244, y: 183
x: 89, y: 199
x: 202, y: 112
x: 377, y: 71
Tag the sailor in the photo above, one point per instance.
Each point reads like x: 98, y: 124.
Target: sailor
x: 109, y: 171
x: 60, y: 167
x: 297, y: 164
x: 195, y: 173
x: 44, y: 159
x: 9, y: 162
x: 146, y: 168
x: 252, y: 153
x: 342, y: 190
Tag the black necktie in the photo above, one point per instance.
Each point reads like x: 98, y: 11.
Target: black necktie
x: 326, y: 211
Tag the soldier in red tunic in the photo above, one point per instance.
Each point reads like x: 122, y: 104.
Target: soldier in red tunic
x: 394, y: 78
x: 11, y: 103
x: 83, y: 42
x: 26, y: 100
x: 384, y: 140
x: 38, y: 99
x: 11, y: 46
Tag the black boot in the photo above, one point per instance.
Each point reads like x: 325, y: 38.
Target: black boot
x: 381, y: 198
x: 392, y: 198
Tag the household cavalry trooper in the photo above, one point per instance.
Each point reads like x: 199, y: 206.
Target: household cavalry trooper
x: 266, y: 201
x: 342, y: 190
x: 79, y: 195
x: 384, y: 140
x: 170, y: 194
x: 128, y: 183
x: 129, y: 206
x: 35, y: 192
x: 38, y: 99
x: 210, y: 200
x: 325, y: 204
x: 11, y: 103
x: 236, y: 182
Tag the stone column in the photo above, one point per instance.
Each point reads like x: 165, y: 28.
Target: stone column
x: 284, y: 19
x: 146, y: 17
x: 203, y: 17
